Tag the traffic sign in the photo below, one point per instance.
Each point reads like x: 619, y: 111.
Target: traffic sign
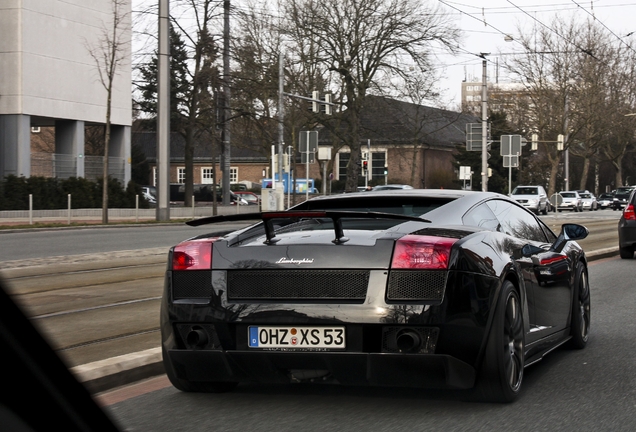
x: 308, y: 143
x: 464, y: 173
x: 511, y: 161
x: 473, y: 136
x: 511, y: 145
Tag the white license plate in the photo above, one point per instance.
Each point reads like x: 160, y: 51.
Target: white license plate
x: 296, y: 337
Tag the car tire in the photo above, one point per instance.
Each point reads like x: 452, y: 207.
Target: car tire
x: 581, y: 312
x: 626, y: 252
x: 501, y: 371
x: 545, y: 210
x: 192, y: 386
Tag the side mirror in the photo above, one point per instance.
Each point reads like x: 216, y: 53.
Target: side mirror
x: 574, y: 231
x: 569, y: 232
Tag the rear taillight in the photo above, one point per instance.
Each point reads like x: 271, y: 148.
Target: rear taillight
x: 628, y: 213
x: 422, y: 252
x: 193, y: 255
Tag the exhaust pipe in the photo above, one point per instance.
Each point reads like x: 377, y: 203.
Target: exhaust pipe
x: 197, y: 338
x: 408, y: 341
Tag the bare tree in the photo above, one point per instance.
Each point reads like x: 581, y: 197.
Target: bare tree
x: 109, y: 53
x: 364, y: 41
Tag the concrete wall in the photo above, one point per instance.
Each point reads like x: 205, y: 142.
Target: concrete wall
x: 45, y: 64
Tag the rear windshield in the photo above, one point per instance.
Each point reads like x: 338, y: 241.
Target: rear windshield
x: 401, y: 205
x: 586, y: 195
x: 568, y: 194
x: 526, y: 191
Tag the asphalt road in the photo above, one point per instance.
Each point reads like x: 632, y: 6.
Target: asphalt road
x: 589, y: 390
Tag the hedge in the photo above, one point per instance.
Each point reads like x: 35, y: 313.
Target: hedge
x: 52, y: 193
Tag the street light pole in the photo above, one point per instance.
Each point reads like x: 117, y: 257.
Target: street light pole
x: 484, y: 126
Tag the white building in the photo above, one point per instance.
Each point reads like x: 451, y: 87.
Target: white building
x: 49, y: 78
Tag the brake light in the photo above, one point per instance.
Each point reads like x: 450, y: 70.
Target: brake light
x: 552, y: 260
x: 193, y: 254
x: 422, y: 252
x: 628, y: 213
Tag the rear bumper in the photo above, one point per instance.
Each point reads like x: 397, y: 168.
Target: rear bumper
x: 347, y: 368
x: 626, y: 233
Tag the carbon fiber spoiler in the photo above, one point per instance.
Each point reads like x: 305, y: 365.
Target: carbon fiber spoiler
x: 335, y: 216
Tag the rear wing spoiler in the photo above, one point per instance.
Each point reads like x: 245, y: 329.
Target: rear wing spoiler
x: 336, y: 216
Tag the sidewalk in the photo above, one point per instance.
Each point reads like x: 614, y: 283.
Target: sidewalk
x: 74, y: 217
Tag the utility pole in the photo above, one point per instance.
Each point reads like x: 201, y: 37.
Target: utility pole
x: 484, y: 125
x: 281, y: 114
x: 163, y: 114
x: 225, y: 157
x: 566, y: 143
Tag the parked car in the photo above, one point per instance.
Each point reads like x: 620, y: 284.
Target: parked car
x: 627, y: 229
x: 250, y: 197
x: 571, y: 201
x: 391, y: 187
x: 534, y: 198
x: 605, y: 200
x: 416, y: 288
x: 150, y: 194
x: 621, y: 196
x: 588, y: 201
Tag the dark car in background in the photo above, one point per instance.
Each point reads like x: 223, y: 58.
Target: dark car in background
x: 621, y: 196
x: 414, y: 288
x: 627, y: 229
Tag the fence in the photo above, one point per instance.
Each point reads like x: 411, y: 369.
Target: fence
x: 64, y: 166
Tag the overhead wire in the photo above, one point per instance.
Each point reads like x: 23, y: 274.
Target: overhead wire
x: 608, y: 29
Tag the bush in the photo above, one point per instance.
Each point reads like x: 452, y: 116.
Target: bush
x: 52, y: 194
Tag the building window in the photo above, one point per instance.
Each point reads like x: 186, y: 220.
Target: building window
x: 377, y: 162
x: 207, y: 175
x: 233, y: 175
x: 181, y: 175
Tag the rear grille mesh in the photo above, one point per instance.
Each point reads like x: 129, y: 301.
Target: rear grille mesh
x: 191, y: 284
x: 339, y: 285
x: 410, y: 285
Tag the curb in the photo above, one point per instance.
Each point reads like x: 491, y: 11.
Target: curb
x: 104, y: 375
x: 118, y: 371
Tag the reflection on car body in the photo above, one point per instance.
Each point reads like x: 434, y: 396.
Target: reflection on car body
x: 417, y: 288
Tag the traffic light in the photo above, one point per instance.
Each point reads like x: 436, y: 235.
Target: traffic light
x: 365, y: 166
x: 315, y: 102
x: 326, y: 107
x: 560, y: 142
x: 535, y: 141
x: 386, y: 171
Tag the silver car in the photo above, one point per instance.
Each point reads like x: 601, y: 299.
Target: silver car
x: 571, y: 201
x: 534, y: 198
x: 589, y: 201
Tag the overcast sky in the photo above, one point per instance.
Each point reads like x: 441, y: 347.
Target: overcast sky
x: 486, y: 23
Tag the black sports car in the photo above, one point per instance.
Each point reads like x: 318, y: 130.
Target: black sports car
x: 419, y: 288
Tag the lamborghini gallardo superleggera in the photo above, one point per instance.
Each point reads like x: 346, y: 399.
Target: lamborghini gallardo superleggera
x: 417, y: 288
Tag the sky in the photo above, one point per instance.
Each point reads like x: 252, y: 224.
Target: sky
x: 485, y: 25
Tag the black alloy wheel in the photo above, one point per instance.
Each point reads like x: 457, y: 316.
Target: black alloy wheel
x: 501, y: 371
x: 581, y: 309
x: 626, y: 252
